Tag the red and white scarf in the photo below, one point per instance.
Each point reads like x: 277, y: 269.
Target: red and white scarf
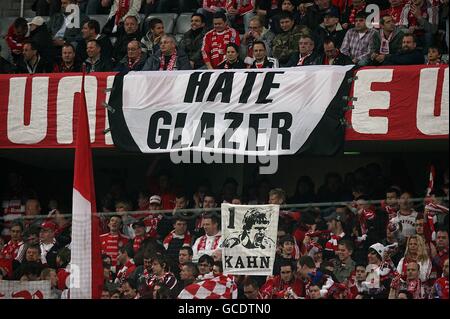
x: 354, y: 12
x: 431, y: 209
x: 384, y: 47
x: 172, y: 62
x: 202, y: 243
x: 123, y: 8
x: 186, y: 239
x: 302, y: 59
x: 138, y: 241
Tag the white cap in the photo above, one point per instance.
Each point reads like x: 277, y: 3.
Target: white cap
x: 155, y: 199
x: 37, y: 21
x: 379, y: 248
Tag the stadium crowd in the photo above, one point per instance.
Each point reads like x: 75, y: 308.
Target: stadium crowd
x: 394, y: 248
x: 225, y: 34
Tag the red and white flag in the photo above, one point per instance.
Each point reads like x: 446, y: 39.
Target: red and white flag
x: 219, y: 287
x: 86, y: 265
x: 431, y: 180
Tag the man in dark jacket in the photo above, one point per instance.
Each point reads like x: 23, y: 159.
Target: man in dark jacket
x: 91, y: 31
x: 192, y: 41
x: 65, y: 26
x: 387, y: 41
x: 314, y: 13
x: 167, y: 58
x: 306, y: 54
x: 40, y: 35
x: 408, y: 55
x: 130, y: 32
x: 33, y: 62
x: 330, y: 29
x: 95, y: 61
x: 134, y: 60
x: 332, y: 55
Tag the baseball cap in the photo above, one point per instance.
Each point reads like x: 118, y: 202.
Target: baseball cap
x: 37, y: 21
x: 139, y: 223
x: 378, y: 248
x: 48, y: 225
x: 155, y: 199
x: 331, y: 12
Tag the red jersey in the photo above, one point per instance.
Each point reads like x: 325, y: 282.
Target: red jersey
x: 215, y: 43
x: 124, y: 273
x: 111, y: 244
x: 441, y: 288
x: 11, y: 249
x: 151, y: 225
x: 243, y: 6
x: 14, y: 42
x: 275, y: 288
x: 213, y: 5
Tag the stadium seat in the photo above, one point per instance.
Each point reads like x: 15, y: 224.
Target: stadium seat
x: 183, y: 23
x: 168, y: 19
x: 28, y: 13
x: 101, y: 18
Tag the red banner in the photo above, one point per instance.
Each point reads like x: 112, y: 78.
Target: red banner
x: 393, y: 103
x: 38, y: 111
x: 400, y: 103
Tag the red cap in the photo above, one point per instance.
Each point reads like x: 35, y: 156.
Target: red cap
x: 48, y: 225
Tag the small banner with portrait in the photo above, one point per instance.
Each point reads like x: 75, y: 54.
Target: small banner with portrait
x: 249, y: 239
x: 25, y: 289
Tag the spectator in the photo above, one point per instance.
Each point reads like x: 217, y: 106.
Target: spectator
x: 440, y: 288
x: 95, y: 61
x: 335, y: 222
x: 240, y: 12
x: 420, y: 18
x: 387, y: 41
x: 232, y: 59
x: 192, y: 41
x: 415, y: 252
x: 205, y: 266
x: 357, y: 41
x: 286, y: 253
x: 64, y: 27
x: 380, y: 272
x: 128, y: 290
x: 181, y: 6
x: 50, y: 275
x: 314, y: 14
x: 256, y: 32
x: 210, y: 8
x: 16, y: 37
x: 131, y: 32
x: 216, y: 40
x: 40, y: 35
x: 11, y: 249
x: 161, y: 274
x: 184, y: 256
x: 150, y: 42
x: 261, y: 60
x: 251, y: 289
x: 68, y: 63
x: 91, y: 31
x: 212, y: 239
x: 351, y: 12
x: 344, y: 266
x: 112, y: 241
x: 48, y: 244
x: 330, y: 29
x: 411, y: 283
x: 434, y: 56
x: 152, y: 220
x: 188, y: 274
x: 406, y: 216
x: 120, y: 10
x: 391, y: 204
x: 395, y: 10
x: 126, y: 263
x: 179, y: 237
x: 306, y: 54
x: 440, y: 253
x: 32, y: 62
x: 167, y: 58
x: 286, y: 43
x: 332, y: 55
x: 217, y: 268
x: 284, y: 285
x: 31, y: 238
x: 134, y: 60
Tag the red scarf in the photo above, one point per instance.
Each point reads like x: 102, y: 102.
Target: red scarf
x: 132, y: 64
x: 172, y: 62
x: 137, y: 242
x: 302, y: 59
x: 384, y: 47
x: 202, y: 243
x: 353, y: 13
x: 186, y: 239
x: 415, y: 288
x: 123, y: 8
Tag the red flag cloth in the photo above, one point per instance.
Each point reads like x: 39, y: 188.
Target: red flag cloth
x: 219, y: 287
x: 86, y: 264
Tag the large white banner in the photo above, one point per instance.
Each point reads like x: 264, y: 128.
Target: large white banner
x: 250, y: 237
x: 247, y: 112
x: 24, y: 289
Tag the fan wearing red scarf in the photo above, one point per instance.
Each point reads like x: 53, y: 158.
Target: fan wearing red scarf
x: 179, y: 237
x: 168, y: 57
x: 285, y: 285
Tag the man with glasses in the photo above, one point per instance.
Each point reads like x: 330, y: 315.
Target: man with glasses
x: 134, y: 60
